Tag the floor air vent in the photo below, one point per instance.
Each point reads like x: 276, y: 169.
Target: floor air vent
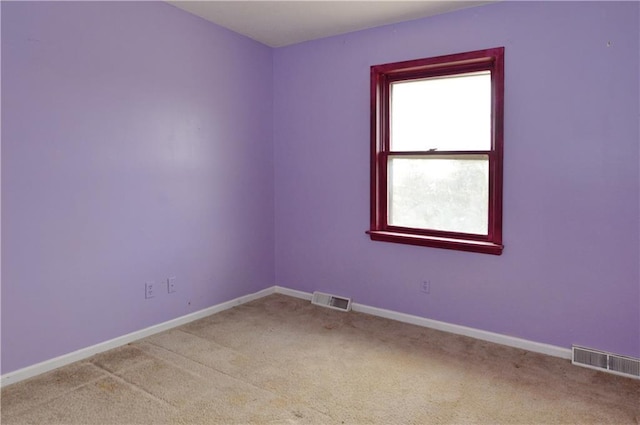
x: 607, y: 362
x: 331, y: 301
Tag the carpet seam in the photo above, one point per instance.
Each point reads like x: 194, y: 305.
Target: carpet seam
x: 139, y: 389
x: 225, y: 373
x: 64, y: 393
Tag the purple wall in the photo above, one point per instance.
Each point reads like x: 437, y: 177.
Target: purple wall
x: 570, y: 268
x: 136, y: 145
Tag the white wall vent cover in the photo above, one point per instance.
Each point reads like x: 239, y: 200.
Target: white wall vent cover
x: 331, y: 301
x: 607, y: 362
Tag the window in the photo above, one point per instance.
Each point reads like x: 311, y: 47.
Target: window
x: 436, y: 151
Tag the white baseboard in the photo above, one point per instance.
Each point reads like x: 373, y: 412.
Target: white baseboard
x: 510, y: 341
x: 48, y: 365
x: 293, y: 293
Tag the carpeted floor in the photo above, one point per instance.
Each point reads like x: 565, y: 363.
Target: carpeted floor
x: 281, y: 360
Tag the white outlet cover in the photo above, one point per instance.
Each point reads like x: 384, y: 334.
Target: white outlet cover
x: 149, y: 290
x: 171, y: 284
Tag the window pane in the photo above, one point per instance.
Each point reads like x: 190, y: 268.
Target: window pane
x: 440, y: 193
x: 444, y: 113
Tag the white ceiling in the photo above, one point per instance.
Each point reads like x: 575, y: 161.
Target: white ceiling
x: 280, y: 23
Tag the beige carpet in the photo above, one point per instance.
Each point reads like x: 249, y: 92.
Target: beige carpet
x: 281, y: 360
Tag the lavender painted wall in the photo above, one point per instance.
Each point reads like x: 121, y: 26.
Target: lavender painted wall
x: 570, y: 268
x: 136, y: 145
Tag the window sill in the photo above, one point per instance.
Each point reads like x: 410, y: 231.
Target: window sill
x: 437, y: 242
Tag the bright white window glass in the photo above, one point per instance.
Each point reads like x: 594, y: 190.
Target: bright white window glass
x: 450, y: 113
x: 440, y: 193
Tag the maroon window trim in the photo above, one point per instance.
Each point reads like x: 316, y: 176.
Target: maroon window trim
x: 381, y: 78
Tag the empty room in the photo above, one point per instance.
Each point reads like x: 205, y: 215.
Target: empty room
x: 323, y: 212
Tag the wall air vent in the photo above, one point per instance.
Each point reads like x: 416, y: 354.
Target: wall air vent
x: 331, y: 301
x: 606, y: 362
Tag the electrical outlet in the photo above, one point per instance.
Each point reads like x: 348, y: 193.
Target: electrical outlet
x: 149, y: 290
x: 171, y: 285
x: 425, y: 286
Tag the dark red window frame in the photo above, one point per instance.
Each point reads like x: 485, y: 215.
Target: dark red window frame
x: 381, y: 78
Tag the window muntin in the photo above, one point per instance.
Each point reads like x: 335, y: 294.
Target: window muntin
x: 436, y: 161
